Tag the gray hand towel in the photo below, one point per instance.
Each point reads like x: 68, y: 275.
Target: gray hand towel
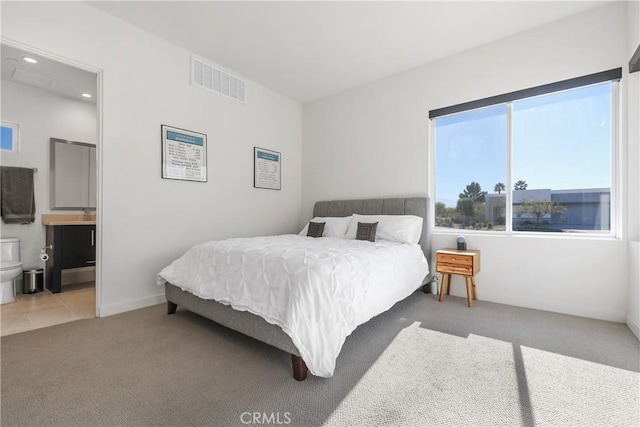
x: 17, y: 199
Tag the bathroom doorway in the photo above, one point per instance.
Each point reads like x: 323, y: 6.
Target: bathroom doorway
x: 47, y: 97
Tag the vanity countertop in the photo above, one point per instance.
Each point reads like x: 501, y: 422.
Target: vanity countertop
x: 67, y: 219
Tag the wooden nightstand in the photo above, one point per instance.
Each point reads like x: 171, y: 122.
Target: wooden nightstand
x: 464, y: 263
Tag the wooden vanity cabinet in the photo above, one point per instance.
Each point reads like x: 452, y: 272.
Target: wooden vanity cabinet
x: 70, y: 246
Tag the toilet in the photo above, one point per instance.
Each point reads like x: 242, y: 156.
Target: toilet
x: 11, y: 268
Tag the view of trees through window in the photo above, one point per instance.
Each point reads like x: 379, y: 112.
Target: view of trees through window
x: 560, y: 152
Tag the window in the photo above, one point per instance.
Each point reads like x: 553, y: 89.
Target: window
x: 471, y: 155
x: 9, y: 137
x: 541, y: 163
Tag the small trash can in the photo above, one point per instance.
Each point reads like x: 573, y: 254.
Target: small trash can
x: 32, y: 280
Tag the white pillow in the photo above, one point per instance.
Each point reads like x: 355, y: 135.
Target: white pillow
x: 399, y: 228
x: 333, y: 226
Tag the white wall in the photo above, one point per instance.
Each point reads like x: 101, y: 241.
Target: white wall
x: 633, y: 135
x: 373, y: 142
x: 146, y: 222
x: 41, y: 115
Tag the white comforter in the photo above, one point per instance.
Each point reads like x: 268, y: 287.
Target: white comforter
x: 317, y: 290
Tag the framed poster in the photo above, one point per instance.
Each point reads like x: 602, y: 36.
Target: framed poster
x: 10, y: 137
x: 266, y: 168
x: 184, y: 154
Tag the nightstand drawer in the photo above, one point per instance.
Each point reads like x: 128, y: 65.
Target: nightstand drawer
x: 454, y: 269
x: 455, y: 259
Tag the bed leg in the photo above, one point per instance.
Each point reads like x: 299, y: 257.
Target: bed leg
x: 299, y: 368
x: 171, y: 307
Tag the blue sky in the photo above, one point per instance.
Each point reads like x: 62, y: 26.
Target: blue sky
x: 560, y: 141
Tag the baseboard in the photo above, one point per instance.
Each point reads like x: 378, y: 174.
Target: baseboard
x: 634, y: 328
x: 553, y: 306
x: 111, y: 309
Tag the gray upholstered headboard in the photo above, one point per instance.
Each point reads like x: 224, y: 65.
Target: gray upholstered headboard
x: 418, y: 206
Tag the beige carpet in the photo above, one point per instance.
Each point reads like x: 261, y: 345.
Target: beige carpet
x: 422, y: 363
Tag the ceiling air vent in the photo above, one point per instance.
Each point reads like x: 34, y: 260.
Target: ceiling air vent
x: 216, y: 80
x: 32, y: 79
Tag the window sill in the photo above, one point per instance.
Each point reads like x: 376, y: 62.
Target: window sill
x: 525, y: 234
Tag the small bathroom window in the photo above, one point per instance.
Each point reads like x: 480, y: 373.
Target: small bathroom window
x: 9, y: 136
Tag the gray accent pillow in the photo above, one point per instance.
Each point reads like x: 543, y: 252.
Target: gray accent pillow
x: 315, y: 229
x: 367, y: 231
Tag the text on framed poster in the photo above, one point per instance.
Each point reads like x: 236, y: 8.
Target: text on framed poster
x: 184, y: 154
x: 266, y: 168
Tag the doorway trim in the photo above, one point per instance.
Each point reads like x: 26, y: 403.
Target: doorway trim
x: 99, y: 147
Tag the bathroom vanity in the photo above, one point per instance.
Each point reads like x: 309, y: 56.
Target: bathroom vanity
x: 70, y: 244
x: 70, y: 238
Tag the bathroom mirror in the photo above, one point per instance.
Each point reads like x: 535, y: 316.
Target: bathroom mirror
x: 72, y: 175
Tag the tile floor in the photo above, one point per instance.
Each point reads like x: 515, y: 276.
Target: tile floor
x: 34, y: 311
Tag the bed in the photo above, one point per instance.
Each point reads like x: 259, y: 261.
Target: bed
x: 269, y: 332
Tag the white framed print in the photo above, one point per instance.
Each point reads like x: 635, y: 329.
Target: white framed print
x: 184, y: 154
x: 266, y: 168
x: 9, y: 137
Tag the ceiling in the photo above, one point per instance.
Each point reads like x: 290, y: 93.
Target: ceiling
x: 310, y: 50
x: 47, y: 74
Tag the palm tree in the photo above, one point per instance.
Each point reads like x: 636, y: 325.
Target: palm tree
x: 499, y: 188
